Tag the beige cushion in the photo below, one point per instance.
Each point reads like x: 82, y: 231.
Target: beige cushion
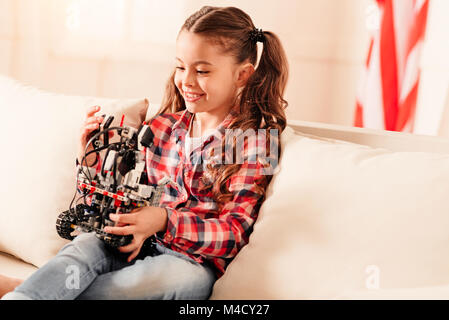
x: 13, y: 267
x: 39, y: 140
x: 421, y: 293
x: 341, y: 219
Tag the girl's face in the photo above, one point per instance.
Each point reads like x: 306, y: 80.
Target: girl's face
x: 207, y: 79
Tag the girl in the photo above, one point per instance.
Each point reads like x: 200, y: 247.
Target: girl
x: 215, y: 88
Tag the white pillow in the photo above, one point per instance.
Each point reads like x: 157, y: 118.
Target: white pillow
x: 342, y: 219
x: 40, y: 133
x: 153, y: 108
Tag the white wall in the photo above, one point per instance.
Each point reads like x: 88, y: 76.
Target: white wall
x: 326, y: 43
x: 434, y: 84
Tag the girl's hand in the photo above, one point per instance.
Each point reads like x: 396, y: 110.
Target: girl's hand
x: 91, y: 124
x: 141, y: 223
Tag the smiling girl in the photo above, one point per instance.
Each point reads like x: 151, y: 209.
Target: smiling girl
x: 217, y: 86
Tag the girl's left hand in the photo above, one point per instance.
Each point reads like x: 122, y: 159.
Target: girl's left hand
x: 141, y: 223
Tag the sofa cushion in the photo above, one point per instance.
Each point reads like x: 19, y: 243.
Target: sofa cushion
x: 341, y: 219
x: 437, y: 292
x: 11, y: 266
x: 39, y: 144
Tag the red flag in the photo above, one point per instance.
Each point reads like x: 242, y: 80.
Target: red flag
x: 388, y: 94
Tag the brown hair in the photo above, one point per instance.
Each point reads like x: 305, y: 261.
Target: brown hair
x: 261, y: 101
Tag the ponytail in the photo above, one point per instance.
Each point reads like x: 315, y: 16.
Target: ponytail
x: 262, y: 98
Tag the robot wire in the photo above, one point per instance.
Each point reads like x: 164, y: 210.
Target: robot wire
x: 97, y: 150
x: 84, y: 159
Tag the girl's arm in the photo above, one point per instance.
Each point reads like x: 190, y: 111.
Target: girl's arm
x: 225, y: 235
x: 220, y: 237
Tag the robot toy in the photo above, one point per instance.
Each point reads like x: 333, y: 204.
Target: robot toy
x: 118, y: 184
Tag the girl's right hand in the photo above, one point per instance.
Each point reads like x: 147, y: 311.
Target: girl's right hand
x: 91, y: 124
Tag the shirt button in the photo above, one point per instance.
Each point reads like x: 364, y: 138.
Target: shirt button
x: 169, y: 237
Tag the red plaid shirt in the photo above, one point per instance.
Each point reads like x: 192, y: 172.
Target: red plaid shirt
x: 196, y: 226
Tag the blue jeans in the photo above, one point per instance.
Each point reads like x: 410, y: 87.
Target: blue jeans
x: 86, y: 269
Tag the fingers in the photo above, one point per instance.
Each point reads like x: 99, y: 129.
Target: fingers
x: 119, y: 224
x: 127, y: 218
x: 89, y: 128
x: 92, y: 123
x: 133, y: 254
x: 92, y: 110
x: 120, y: 231
x: 124, y: 224
x: 94, y: 120
x: 130, y: 247
x: 134, y: 248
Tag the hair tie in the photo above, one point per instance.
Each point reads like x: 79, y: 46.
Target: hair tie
x: 256, y: 35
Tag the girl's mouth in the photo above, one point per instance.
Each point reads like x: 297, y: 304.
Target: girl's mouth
x: 192, y: 97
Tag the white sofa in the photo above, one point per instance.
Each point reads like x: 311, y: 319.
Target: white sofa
x: 350, y: 214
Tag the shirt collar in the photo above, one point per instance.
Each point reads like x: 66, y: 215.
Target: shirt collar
x: 184, y: 121
x: 186, y: 116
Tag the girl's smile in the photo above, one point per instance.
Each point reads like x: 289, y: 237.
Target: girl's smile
x: 191, y: 97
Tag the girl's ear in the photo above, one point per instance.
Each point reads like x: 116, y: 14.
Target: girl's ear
x: 244, y: 73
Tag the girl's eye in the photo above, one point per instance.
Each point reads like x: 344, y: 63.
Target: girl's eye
x: 198, y: 71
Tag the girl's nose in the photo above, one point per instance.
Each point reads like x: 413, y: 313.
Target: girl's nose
x: 188, y: 80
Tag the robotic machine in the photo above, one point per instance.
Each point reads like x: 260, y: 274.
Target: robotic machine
x: 118, y: 184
